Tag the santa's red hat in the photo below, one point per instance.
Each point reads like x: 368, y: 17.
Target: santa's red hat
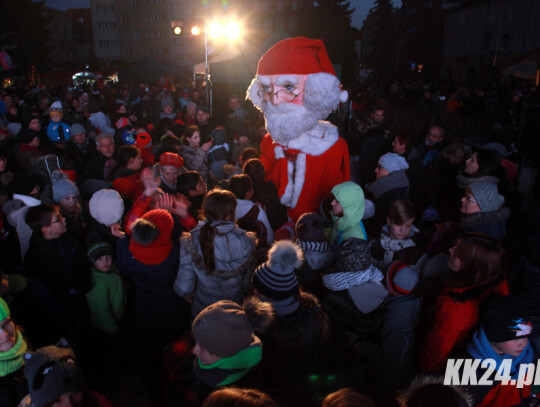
x: 296, y: 56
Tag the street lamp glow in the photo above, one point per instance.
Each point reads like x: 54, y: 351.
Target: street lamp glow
x: 177, y: 30
x: 195, y: 30
x: 215, y: 30
x: 232, y: 30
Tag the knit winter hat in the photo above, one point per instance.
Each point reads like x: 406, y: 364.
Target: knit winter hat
x: 310, y: 228
x: 166, y: 101
x: 171, y: 159
x: 4, y: 310
x: 143, y: 139
x: 151, y: 240
x: 50, y: 372
x: 393, y: 162
x: 14, y: 129
x: 98, y: 250
x: 191, y: 105
x: 219, y: 135
x: 354, y: 255
x: 487, y: 196
x: 275, y: 279
x: 107, y: 207
x: 77, y: 129
x: 122, y: 122
x: 56, y: 108
x: 62, y: 186
x: 506, y: 318
x: 400, y: 279
x: 296, y: 56
x: 224, y: 328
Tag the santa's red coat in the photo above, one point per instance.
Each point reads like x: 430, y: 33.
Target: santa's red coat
x: 322, y: 173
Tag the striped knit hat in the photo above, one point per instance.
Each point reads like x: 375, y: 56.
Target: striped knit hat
x: 400, y: 278
x: 275, y: 279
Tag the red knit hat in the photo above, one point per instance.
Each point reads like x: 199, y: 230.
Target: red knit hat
x: 171, y: 159
x: 158, y: 250
x: 143, y: 139
x: 400, y: 278
x: 296, y: 56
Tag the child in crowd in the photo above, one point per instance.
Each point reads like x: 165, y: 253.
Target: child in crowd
x: 220, y: 361
x: 399, y: 239
x: 193, y: 153
x: 192, y: 185
x: 217, y: 258
x: 126, y: 177
x: 503, y: 338
x: 476, y: 262
x: 246, y: 210
x: 348, y: 208
x: 106, y: 299
x: 58, y: 131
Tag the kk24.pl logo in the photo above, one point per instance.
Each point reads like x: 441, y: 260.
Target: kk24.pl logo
x: 463, y: 372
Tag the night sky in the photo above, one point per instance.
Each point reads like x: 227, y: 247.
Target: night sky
x: 361, y: 7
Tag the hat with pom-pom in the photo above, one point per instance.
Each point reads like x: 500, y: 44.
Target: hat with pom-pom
x: 225, y: 328
x: 151, y: 240
x: 62, y: 186
x: 276, y: 278
x: 400, y: 278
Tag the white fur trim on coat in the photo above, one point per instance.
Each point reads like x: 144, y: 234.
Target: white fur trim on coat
x: 317, y: 140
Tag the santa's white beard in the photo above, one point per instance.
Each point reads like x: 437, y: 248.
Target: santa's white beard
x: 287, y: 121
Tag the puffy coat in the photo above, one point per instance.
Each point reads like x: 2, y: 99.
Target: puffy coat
x: 235, y: 261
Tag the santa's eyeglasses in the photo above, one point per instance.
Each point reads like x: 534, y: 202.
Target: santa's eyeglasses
x: 284, y: 94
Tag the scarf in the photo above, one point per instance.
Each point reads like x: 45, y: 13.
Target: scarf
x: 12, y: 360
x: 480, y: 348
x: 342, y: 281
x: 171, y: 116
x: 228, y: 370
x: 319, y: 247
x: 381, y: 186
x: 391, y: 246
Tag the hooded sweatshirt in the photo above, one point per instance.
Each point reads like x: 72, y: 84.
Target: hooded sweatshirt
x: 352, y: 200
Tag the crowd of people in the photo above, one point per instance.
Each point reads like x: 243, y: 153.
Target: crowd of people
x: 147, y: 260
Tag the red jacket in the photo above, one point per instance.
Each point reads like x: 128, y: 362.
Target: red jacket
x: 455, y: 316
x: 130, y: 186
x: 314, y: 174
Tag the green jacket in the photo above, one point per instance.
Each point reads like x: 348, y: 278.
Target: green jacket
x: 106, y: 300
x: 352, y: 200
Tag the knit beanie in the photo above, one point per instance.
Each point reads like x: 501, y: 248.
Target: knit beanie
x: 50, y: 372
x: 275, y: 278
x: 143, y: 139
x: 310, y: 228
x: 98, y: 250
x: 151, y: 240
x: 4, y: 310
x: 171, y: 159
x: 506, y: 318
x: 62, y: 186
x: 106, y: 206
x: 191, y: 105
x: 393, y: 162
x: 225, y: 328
x: 400, y: 278
x: 354, y: 255
x: 56, y: 108
x: 487, y: 196
x: 76, y: 129
x: 166, y: 101
x: 14, y: 128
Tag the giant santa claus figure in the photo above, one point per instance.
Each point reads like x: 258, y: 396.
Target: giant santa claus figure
x: 296, y: 88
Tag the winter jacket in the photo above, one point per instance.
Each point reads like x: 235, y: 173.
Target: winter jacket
x: 195, y: 160
x: 58, y: 132
x: 235, y: 261
x: 160, y: 314
x: 128, y: 183
x: 385, y: 249
x: 266, y: 194
x: 455, y: 316
x: 491, y: 223
x: 351, y: 198
x: 106, y: 300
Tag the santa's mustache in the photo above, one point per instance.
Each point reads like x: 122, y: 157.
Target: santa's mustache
x: 287, y: 121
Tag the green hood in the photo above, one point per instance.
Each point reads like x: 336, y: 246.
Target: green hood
x: 352, y: 200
